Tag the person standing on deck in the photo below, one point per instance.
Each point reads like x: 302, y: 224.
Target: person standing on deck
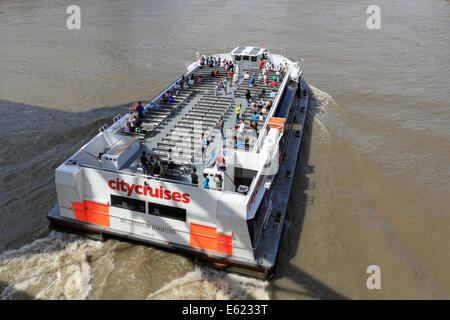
x: 194, y: 177
x: 144, y: 163
x: 248, y: 96
x: 220, y: 125
x: 157, y: 168
x: 238, y: 111
x: 206, y: 181
x: 140, y: 110
x: 204, y: 143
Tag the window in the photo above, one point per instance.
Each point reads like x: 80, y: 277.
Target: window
x: 237, y: 58
x: 166, y: 211
x: 254, y: 58
x: 244, y: 57
x: 128, y: 203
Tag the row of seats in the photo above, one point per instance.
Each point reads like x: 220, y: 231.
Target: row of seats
x: 185, y: 139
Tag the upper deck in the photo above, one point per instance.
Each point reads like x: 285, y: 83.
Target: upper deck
x: 198, y: 104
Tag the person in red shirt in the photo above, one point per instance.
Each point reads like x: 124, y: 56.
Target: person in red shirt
x: 273, y: 83
x: 261, y: 64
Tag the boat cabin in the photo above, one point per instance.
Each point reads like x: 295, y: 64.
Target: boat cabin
x: 248, y: 58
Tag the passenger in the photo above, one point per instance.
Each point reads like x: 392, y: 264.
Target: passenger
x: 131, y: 122
x: 126, y: 127
x: 247, y: 144
x: 261, y: 64
x: 204, y: 143
x: 206, y: 181
x: 241, y: 127
x: 264, y: 109
x: 273, y: 94
x: 235, y: 79
x: 217, y: 73
x: 254, y: 116
x: 194, y: 177
x: 199, y: 79
x: 213, y: 74
x: 255, y: 127
x: 170, y: 162
x: 157, y: 168
x: 191, y: 82
x: 219, y: 162
x: 238, y: 111
x: 238, y: 144
x: 140, y: 110
x: 177, y: 85
x: 230, y: 73
x: 261, y: 116
x: 273, y: 83
x: 252, y: 80
x: 248, y: 96
x: 224, y: 84
x: 234, y: 130
x: 164, y: 98
x: 137, y: 125
x: 246, y: 76
x: 220, y: 125
x: 151, y: 162
x: 218, y: 180
x: 263, y: 92
x: 144, y: 163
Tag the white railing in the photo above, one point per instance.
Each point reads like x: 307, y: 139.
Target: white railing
x: 272, y: 110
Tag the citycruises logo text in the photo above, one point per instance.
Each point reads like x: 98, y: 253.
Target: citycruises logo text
x: 160, y: 193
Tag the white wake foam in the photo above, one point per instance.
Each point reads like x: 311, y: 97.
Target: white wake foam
x: 54, y: 267
x: 209, y: 284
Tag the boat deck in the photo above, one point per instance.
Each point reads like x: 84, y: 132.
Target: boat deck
x: 196, y: 109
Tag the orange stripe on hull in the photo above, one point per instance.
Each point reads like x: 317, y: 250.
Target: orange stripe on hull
x: 205, y: 237
x: 91, y: 212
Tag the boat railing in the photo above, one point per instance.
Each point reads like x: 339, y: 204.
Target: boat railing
x: 272, y: 111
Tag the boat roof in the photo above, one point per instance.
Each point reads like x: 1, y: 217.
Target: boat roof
x: 249, y: 51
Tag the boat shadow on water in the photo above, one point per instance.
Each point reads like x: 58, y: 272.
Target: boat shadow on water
x: 299, y: 201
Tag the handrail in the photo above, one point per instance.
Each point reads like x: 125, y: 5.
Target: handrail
x: 272, y: 109
x: 261, y: 172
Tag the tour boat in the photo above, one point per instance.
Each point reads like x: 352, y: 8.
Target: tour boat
x: 234, y: 222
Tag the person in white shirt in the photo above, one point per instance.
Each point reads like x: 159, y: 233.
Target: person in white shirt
x: 242, y: 127
x: 170, y: 160
x: 204, y: 143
